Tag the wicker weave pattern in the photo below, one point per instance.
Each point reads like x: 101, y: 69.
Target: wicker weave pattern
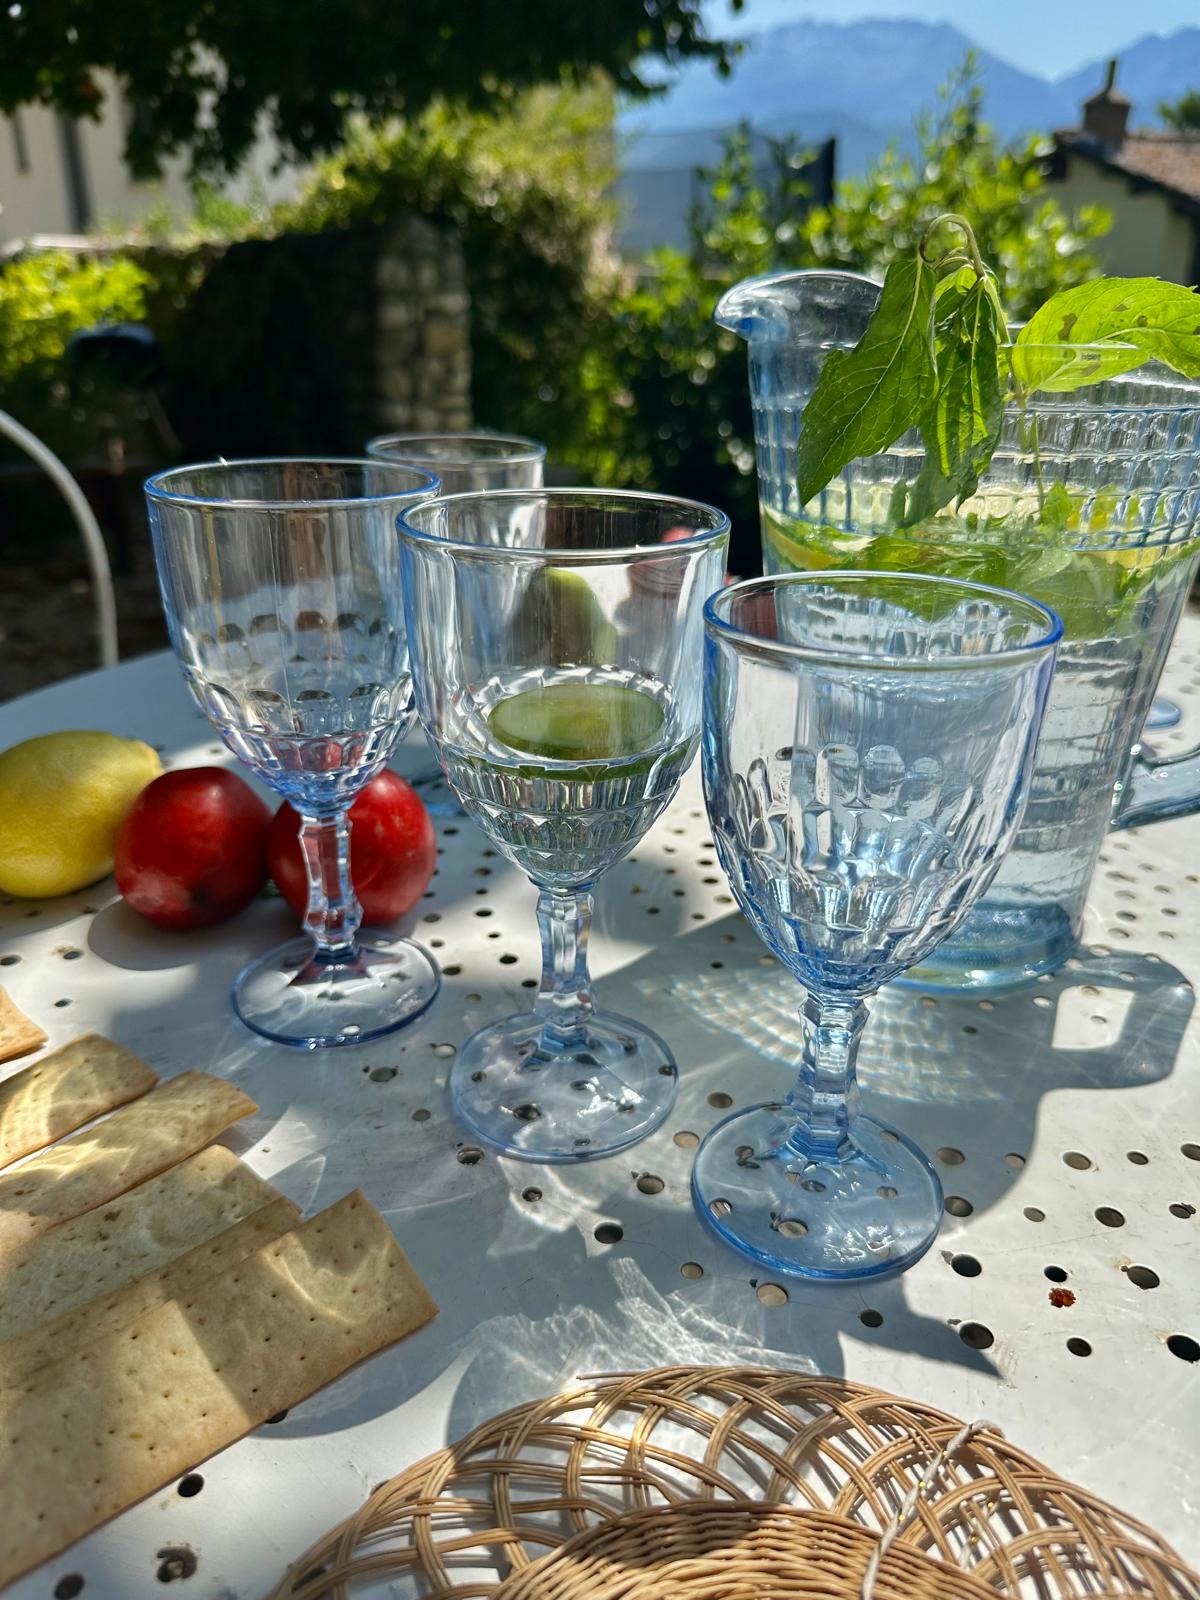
x: 523, y: 1483
x: 714, y: 1550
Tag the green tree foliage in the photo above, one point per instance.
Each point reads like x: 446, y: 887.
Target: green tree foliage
x: 46, y: 298
x: 1183, y: 114
x: 205, y: 77
x: 524, y: 189
x: 670, y: 401
x: 961, y: 165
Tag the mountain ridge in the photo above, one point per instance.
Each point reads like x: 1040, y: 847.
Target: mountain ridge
x: 896, y: 65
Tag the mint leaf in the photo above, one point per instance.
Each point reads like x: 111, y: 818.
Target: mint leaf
x: 1161, y: 320
x: 867, y: 397
x: 962, y: 424
x: 1061, y: 368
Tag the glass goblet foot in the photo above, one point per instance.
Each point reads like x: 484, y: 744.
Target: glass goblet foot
x: 875, y: 1207
x: 290, y: 996
x: 540, y: 1092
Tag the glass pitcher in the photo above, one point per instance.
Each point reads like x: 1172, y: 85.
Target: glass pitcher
x: 1122, y: 459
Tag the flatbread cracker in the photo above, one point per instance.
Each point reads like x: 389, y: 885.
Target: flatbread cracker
x: 93, y: 1434
x: 77, y: 1329
x: 18, y: 1035
x: 141, y: 1139
x: 70, y: 1086
x: 127, y: 1238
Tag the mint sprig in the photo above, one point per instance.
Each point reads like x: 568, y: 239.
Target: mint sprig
x: 935, y: 356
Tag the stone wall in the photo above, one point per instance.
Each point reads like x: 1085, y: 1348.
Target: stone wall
x: 311, y: 343
x: 421, y: 363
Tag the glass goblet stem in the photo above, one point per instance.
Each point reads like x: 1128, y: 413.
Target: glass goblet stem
x: 565, y: 1002
x: 333, y: 916
x: 825, y: 1099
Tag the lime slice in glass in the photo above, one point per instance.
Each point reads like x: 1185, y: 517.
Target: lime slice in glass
x: 579, y: 721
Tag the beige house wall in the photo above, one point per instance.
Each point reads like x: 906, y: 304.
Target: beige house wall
x: 38, y: 200
x: 33, y: 194
x: 1148, y: 238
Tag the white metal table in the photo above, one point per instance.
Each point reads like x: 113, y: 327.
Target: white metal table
x: 1066, y: 1122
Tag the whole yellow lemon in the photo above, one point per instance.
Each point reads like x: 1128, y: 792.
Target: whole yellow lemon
x: 62, y: 798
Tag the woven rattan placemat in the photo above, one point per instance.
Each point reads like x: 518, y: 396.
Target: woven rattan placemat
x: 754, y: 1551
x: 475, y: 1516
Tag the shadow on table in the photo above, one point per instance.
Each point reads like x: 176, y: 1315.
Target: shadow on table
x: 511, y: 1251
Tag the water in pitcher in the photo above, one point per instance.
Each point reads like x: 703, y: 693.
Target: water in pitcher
x: 1119, y: 609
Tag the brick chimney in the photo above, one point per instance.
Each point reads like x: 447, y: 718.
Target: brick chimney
x: 1106, y: 114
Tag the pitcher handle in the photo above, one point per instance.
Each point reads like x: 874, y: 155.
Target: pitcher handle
x: 1160, y: 788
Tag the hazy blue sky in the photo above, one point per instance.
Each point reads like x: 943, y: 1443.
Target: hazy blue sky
x: 1048, y: 37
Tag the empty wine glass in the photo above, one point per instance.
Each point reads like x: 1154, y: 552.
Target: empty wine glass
x: 556, y: 640
x: 466, y: 463
x: 868, y: 745
x: 281, y: 585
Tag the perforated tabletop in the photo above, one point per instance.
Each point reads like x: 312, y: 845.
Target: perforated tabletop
x: 1065, y: 1121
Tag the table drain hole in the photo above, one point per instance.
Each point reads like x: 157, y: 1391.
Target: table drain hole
x: 950, y: 1157
x: 977, y: 1336
x: 772, y: 1294
x: 452, y: 971
x: 1186, y: 1349
x: 176, y: 1561
x: 1143, y: 1277
x: 1077, y: 1160
x: 608, y: 1233
x: 686, y: 1139
x: 1079, y: 1347
x: 70, y: 1586
x: 1191, y: 1151
x: 1012, y: 1159
x: 1109, y: 1216
x: 965, y: 1266
x: 871, y: 1319
x: 1180, y: 1208
x: 691, y: 1270
x: 531, y: 1195
x: 719, y: 1100
x: 189, y: 1485
x: 1034, y: 1214
x: 1055, y: 1274
x: 957, y: 1206
x: 470, y: 1155
x: 1138, y: 1157
x: 789, y: 1227
x: 650, y: 1183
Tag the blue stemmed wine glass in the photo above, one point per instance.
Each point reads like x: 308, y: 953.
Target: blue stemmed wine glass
x: 282, y: 591
x: 868, y: 745
x: 556, y: 639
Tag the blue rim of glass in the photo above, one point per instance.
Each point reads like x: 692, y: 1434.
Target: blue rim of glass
x: 158, y: 487
x: 830, y: 657
x: 634, y: 498
x: 522, y: 451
